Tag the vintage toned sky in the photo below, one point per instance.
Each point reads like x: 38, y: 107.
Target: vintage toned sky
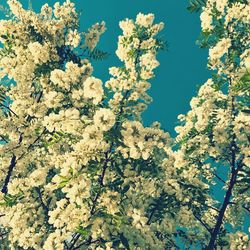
x: 183, y: 66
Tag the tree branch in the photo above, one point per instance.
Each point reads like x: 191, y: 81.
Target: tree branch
x: 219, y: 178
x: 151, y: 216
x: 10, y: 170
x: 92, y: 211
x: 203, y: 224
x: 44, y: 206
x: 228, y: 195
x: 208, y: 206
x: 87, y: 243
x: 107, y: 159
x: 74, y: 240
x: 3, y: 234
x: 32, y: 144
x: 13, y: 164
x: 3, y: 139
x: 222, y: 211
x: 1, y: 104
x: 243, y: 206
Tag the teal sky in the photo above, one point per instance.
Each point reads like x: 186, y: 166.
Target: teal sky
x: 183, y: 66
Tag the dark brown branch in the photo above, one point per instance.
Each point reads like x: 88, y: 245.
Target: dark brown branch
x: 151, y: 216
x: 74, y: 240
x: 101, y: 179
x: 37, y: 139
x: 3, y: 139
x: 44, y: 206
x: 217, y: 176
x: 228, y: 195
x: 246, y: 208
x: 39, y: 96
x: 219, y: 221
x: 3, y: 234
x: 208, y: 206
x: 32, y: 144
x: 87, y: 243
x: 1, y: 104
x: 65, y: 244
x: 92, y: 211
x: 205, y: 205
x: 10, y: 170
x: 203, y: 224
x: 13, y: 164
x: 107, y: 159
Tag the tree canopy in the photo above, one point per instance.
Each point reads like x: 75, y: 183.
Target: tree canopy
x: 80, y: 170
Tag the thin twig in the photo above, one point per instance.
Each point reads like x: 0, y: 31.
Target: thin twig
x: 1, y: 104
x: 10, y: 170
x: 32, y: 144
x: 13, y: 164
x: 203, y: 224
x: 219, y: 178
x: 151, y: 216
x: 45, y: 207
x: 3, y: 139
x: 3, y: 234
x: 243, y: 206
x: 87, y: 243
x: 208, y: 206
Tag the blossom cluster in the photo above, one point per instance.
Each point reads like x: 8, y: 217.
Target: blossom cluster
x: 213, y: 137
x: 77, y: 167
x: 137, y: 48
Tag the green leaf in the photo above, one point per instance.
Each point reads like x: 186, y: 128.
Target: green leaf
x: 30, y: 5
x: 4, y: 37
x: 196, y: 5
x: 11, y: 200
x: 83, y: 231
x: 96, y: 54
x: 63, y: 184
x: 244, y: 83
x: 56, y: 137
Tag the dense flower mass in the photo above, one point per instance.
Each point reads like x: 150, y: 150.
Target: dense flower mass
x: 78, y: 168
x: 213, y: 136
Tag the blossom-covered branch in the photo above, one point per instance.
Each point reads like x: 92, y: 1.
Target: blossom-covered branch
x: 214, y: 135
x: 82, y: 158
